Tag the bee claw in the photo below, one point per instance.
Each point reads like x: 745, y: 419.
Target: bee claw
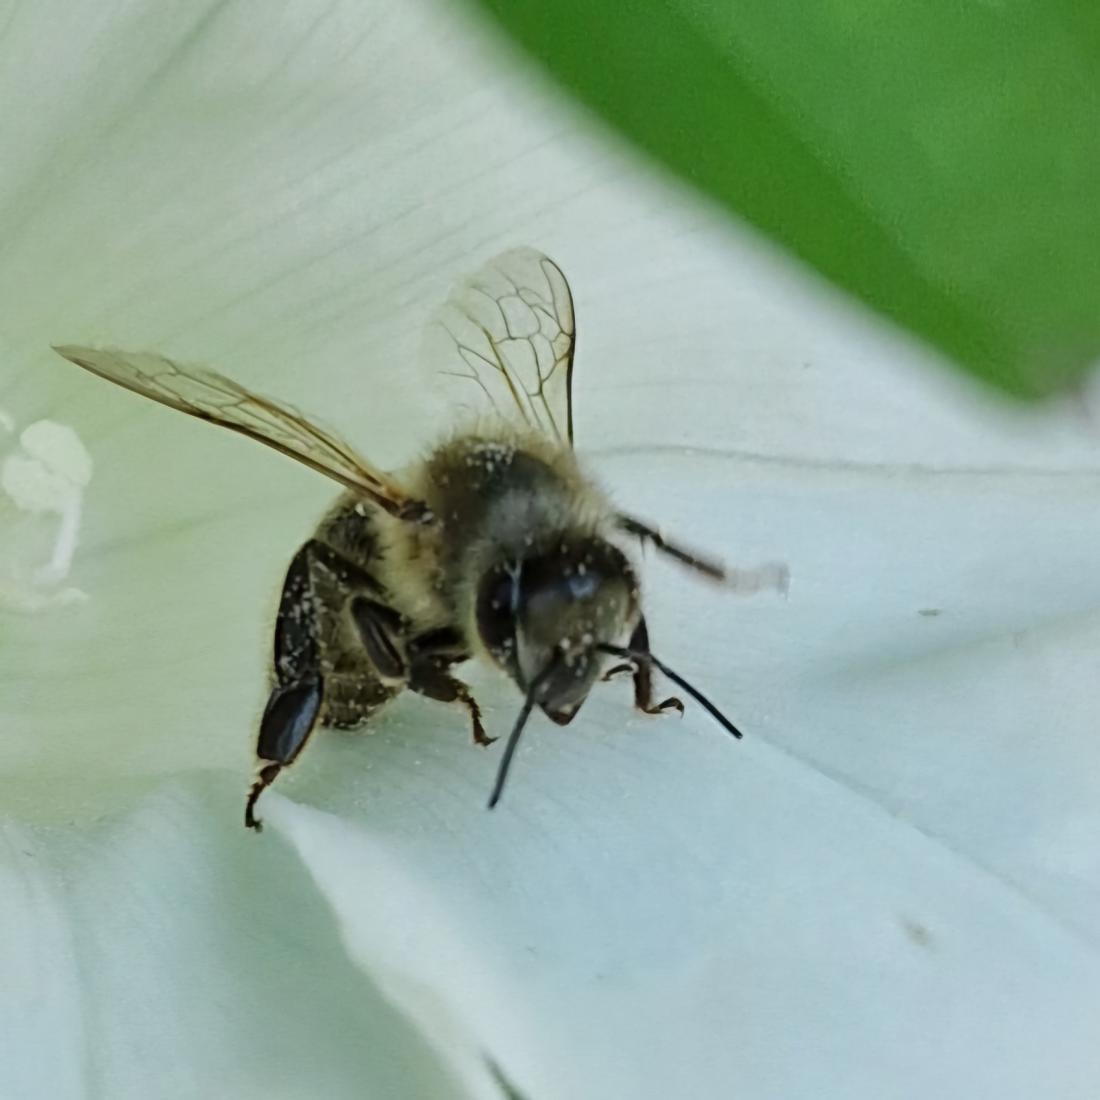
x: 671, y: 703
x: 481, y: 737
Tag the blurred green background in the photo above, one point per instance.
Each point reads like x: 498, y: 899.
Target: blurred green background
x: 939, y: 160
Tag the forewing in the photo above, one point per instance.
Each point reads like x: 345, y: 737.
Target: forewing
x: 504, y: 341
x: 209, y: 396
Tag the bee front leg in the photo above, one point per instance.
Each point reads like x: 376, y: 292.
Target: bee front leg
x: 643, y: 676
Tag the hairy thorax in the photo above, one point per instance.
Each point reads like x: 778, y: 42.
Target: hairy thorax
x: 495, y: 496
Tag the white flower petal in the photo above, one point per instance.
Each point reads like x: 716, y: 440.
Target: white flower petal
x: 174, y: 957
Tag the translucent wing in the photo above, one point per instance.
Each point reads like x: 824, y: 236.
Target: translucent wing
x: 504, y: 342
x: 209, y: 396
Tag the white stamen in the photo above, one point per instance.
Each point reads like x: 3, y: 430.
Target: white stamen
x: 46, y: 476
x: 61, y: 560
x: 59, y: 448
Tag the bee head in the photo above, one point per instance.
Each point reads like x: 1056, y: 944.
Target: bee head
x: 543, y: 617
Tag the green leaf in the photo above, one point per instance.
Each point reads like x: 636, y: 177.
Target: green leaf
x: 939, y: 160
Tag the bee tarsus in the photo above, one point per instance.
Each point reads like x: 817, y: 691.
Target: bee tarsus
x: 264, y: 779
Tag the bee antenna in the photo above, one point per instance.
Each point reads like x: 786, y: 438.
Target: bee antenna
x: 648, y: 658
x: 517, y: 731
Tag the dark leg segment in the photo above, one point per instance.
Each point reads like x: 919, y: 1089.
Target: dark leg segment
x: 379, y: 628
x: 618, y: 670
x: 295, y: 702
x: 288, y: 720
x: 643, y: 675
x: 264, y: 778
x: 428, y: 676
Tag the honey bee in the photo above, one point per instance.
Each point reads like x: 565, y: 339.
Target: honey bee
x: 496, y: 545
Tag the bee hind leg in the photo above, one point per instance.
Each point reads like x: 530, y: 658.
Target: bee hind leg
x: 289, y: 718
x: 295, y: 702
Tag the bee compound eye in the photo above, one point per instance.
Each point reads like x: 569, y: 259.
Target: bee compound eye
x: 496, y: 609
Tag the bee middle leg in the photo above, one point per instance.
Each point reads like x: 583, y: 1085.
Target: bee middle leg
x: 424, y: 664
x: 430, y: 657
x: 430, y: 679
x: 643, y: 675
